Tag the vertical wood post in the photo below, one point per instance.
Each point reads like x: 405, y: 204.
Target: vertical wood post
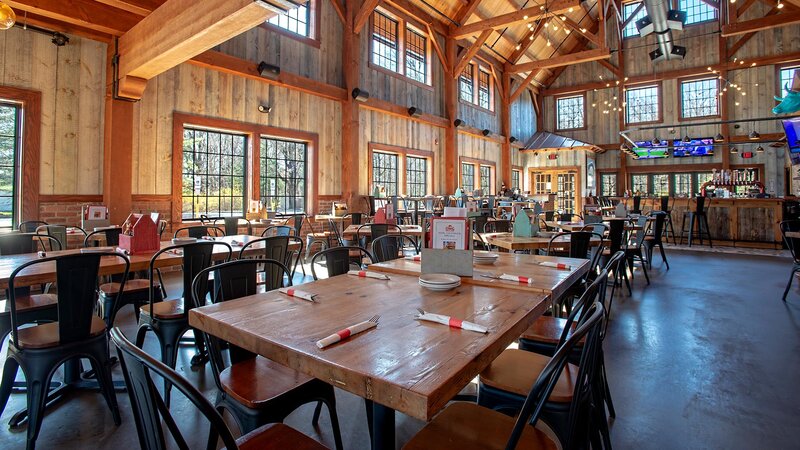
x: 505, y: 128
x: 350, y: 135
x: 451, y: 111
x: 724, y: 112
x: 117, y: 151
x: 622, y: 174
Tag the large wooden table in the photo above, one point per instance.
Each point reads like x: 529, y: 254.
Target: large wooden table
x: 545, y: 279
x: 404, y: 365
x: 46, y: 272
x: 510, y: 242
x: 410, y: 230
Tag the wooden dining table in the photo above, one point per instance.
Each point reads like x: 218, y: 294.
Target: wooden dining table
x: 579, y: 226
x: 510, y: 242
x: 549, y: 280
x: 410, y: 230
x: 403, y: 364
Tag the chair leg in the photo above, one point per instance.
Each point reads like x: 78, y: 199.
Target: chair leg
x: 102, y: 372
x: 691, y: 231
x: 683, y: 230
x: 368, y: 406
x: 337, y: 432
x: 7, y: 382
x: 663, y: 255
x: 708, y: 232
x: 38, y: 382
x: 607, y: 390
x: 785, y: 292
x: 644, y: 269
x: 169, y: 355
x: 317, y: 411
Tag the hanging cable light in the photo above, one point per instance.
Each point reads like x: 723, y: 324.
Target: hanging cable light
x: 760, y: 149
x: 7, y: 17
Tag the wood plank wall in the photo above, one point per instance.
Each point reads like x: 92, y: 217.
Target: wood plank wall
x: 72, y: 81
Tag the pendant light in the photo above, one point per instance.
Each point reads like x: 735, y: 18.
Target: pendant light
x: 7, y: 17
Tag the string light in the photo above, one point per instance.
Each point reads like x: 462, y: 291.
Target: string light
x: 779, y: 5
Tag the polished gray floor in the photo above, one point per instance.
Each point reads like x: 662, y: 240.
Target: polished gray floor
x: 706, y: 356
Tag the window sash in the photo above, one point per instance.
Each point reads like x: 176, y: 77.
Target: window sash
x: 295, y: 20
x: 10, y: 147
x: 608, y: 184
x: 416, y: 176
x: 468, y: 176
x: 484, y: 92
x: 516, y: 175
x: 283, y: 174
x: 466, y: 83
x: 570, y: 113
x: 416, y: 56
x: 642, y: 104
x: 486, y: 179
x: 697, y: 11
x: 385, y: 171
x: 786, y: 76
x: 630, y: 29
x: 700, y: 98
x: 385, y: 41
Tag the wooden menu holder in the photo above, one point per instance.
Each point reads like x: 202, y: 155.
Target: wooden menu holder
x: 140, y: 234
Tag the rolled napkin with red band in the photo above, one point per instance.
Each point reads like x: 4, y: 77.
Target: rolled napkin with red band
x: 517, y: 278
x: 414, y: 258
x: 556, y: 265
x: 346, y: 333
x: 292, y: 292
x: 455, y: 323
x: 367, y: 274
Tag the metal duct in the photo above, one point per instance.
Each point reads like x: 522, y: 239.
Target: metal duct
x: 661, y: 21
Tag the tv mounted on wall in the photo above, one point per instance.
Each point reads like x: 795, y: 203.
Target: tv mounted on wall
x: 695, y: 147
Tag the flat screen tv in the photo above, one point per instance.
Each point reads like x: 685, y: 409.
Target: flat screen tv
x: 646, y: 150
x: 695, y: 147
x: 792, y: 129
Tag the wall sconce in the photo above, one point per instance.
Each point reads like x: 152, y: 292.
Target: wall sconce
x: 269, y: 71
x: 266, y: 109
x: 754, y: 135
x: 360, y: 95
x: 59, y: 39
x: 486, y: 132
x: 459, y: 123
x: 414, y: 111
x: 512, y: 139
x: 719, y: 138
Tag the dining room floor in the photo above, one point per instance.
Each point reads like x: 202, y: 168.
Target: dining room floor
x: 706, y: 356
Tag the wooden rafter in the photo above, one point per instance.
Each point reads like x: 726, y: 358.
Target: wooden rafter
x: 471, y: 52
x: 363, y: 14
x: 63, y: 27
x: 521, y: 88
x: 465, y: 11
x: 527, y: 40
x: 563, y: 60
x: 83, y: 13
x: 140, y: 7
x: 744, y: 7
x: 745, y: 38
x: 595, y: 39
x: 418, y: 13
x: 611, y: 67
x: 339, y: 10
x: 764, y: 23
x: 712, y: 3
x: 438, y: 49
x: 504, y: 20
x: 497, y: 82
x: 579, y: 46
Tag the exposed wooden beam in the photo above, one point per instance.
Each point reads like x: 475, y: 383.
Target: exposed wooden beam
x: 438, y: 49
x: 527, y: 40
x: 415, y: 11
x: 140, y: 7
x: 222, y: 62
x: 465, y: 11
x: 577, y: 46
x: 339, y: 10
x: 745, y: 38
x: 633, y: 14
x: 181, y: 29
x: 612, y: 68
x: 402, y: 112
x: 712, y: 3
x: 744, y: 7
x: 521, y: 88
x: 363, y: 14
x: 764, y: 23
x: 504, y: 20
x: 577, y: 28
x: 83, y: 13
x: 63, y: 27
x: 564, y: 60
x: 471, y: 52
x: 499, y: 83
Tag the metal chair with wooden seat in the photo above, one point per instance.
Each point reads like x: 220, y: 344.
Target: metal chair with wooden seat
x: 392, y: 246
x: 169, y: 319
x: 30, y: 226
x: 150, y: 411
x: 276, y: 248
x: 316, y: 237
x: 655, y: 239
x: 255, y: 390
x: 111, y: 235
x: 200, y: 231
x: 78, y: 333
x: 700, y: 217
x: 277, y: 230
x: 338, y: 260
x: 464, y: 425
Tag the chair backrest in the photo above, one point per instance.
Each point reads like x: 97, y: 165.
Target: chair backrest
x: 700, y: 204
x: 355, y: 218
x: 616, y: 233
x: 338, y: 259
x: 111, y: 235
x: 589, y: 328
x: 792, y: 243
x: 231, y: 225
x: 376, y: 230
x: 390, y: 246
x: 147, y: 405
x: 643, y: 225
x: 277, y: 230
x: 592, y: 219
x: 162, y: 226
x: 30, y: 226
x: 658, y: 228
x: 196, y: 257
x: 665, y: 203
x: 21, y: 243
x: 275, y: 248
x: 57, y: 231
x: 478, y: 223
x: 637, y: 203
x: 76, y: 278
x: 497, y: 226
x: 199, y: 231
x: 579, y: 243
x: 298, y: 223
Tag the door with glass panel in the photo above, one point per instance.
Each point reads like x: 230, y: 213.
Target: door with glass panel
x: 561, y: 183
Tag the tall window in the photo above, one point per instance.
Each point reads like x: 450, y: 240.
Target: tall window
x: 516, y: 177
x: 699, y: 98
x: 384, y: 41
x: 283, y: 175
x: 642, y: 104
x: 384, y: 171
x: 214, y: 167
x: 10, y: 138
x: 786, y: 76
x: 416, y: 64
x: 702, y: 178
x: 465, y: 83
x: 570, y: 113
x: 486, y: 179
x: 628, y: 9
x: 468, y: 176
x: 416, y: 176
x: 608, y: 184
x: 639, y: 183
x: 697, y: 11
x: 683, y: 184
x: 484, y: 88
x: 296, y: 20
x: 660, y: 184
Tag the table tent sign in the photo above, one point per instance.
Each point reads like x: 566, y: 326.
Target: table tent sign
x: 449, y: 247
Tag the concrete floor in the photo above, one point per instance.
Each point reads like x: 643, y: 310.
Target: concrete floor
x: 707, y: 356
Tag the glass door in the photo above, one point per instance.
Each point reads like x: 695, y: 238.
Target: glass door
x: 565, y: 194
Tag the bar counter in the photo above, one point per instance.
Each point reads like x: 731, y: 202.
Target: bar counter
x: 743, y: 222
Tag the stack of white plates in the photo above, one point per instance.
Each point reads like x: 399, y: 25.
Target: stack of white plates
x: 483, y: 257
x: 439, y: 281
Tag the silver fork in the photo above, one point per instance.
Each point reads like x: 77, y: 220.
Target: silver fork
x: 421, y: 311
x: 375, y: 318
x: 491, y: 275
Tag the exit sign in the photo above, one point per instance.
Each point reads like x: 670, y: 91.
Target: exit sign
x: 747, y: 155
x: 552, y: 156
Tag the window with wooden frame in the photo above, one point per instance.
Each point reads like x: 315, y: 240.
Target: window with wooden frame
x: 475, y: 85
x: 571, y: 112
x: 640, y: 184
x: 401, y: 171
x: 477, y: 174
x: 466, y: 84
x: 697, y: 11
x: 660, y: 184
x: 301, y: 23
x: 416, y: 176
x: 486, y: 179
x: 643, y: 104
x: 10, y: 142
x: 516, y: 179
x: 699, y: 98
x: 683, y: 185
x: 484, y: 89
x: 283, y: 175
x: 468, y: 176
x: 608, y: 184
x: 385, y: 172
x: 399, y: 46
x: 630, y: 29
x: 785, y: 77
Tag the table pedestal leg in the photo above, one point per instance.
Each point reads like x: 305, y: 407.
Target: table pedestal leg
x: 382, y: 427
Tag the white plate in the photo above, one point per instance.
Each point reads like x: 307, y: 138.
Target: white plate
x: 439, y: 278
x: 440, y: 287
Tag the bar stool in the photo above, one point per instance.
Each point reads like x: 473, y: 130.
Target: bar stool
x: 699, y: 216
x: 669, y: 229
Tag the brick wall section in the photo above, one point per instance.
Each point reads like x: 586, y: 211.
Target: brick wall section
x: 62, y: 213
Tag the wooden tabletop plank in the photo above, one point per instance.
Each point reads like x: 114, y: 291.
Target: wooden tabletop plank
x: 411, y: 366
x: 410, y: 230
x: 510, y: 242
x: 549, y: 280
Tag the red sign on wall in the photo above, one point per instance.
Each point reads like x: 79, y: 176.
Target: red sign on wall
x: 552, y: 156
x: 747, y: 155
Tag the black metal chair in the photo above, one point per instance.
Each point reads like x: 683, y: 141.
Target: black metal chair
x: 231, y: 225
x: 616, y: 237
x: 355, y: 218
x: 465, y: 425
x: 150, y: 411
x: 634, y: 247
x: 247, y: 385
x: 30, y: 226
x: 277, y: 248
x: 497, y: 226
x: 162, y: 227
x: 339, y: 259
x: 200, y: 231
x: 169, y: 319
x: 393, y: 246
x: 78, y: 333
x: 57, y: 231
x: 277, y: 230
x: 111, y: 235
x: 793, y: 243
x: 637, y: 205
x: 655, y: 239
x: 700, y: 217
x: 667, y: 205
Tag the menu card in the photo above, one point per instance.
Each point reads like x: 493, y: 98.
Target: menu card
x: 451, y: 233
